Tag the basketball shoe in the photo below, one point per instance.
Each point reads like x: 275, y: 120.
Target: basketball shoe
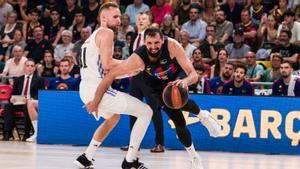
x: 196, y: 163
x: 133, y: 165
x: 83, y: 162
x: 213, y: 127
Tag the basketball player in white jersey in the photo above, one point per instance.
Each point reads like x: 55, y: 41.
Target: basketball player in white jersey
x: 96, y: 61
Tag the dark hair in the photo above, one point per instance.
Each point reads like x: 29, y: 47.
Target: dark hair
x: 55, y: 9
x: 230, y: 63
x: 79, y: 11
x: 35, y: 10
x: 217, y: 62
x: 288, y: 62
x: 246, y: 10
x: 287, y: 31
x: 152, y: 31
x: 108, y: 5
x: 241, y: 66
x: 65, y: 60
x: 212, y: 25
x: 199, y: 67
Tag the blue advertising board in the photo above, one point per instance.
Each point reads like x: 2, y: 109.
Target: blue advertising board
x: 249, y: 124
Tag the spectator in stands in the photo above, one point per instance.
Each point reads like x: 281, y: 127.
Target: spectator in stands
x: 133, y: 9
x: 74, y: 69
x: 35, y: 48
x: 292, y: 25
x: 182, y: 13
x: 279, y: 10
x: 288, y: 85
x: 5, y: 8
x: 202, y: 85
x: 217, y: 82
x: 224, y: 28
x: 64, y: 81
x: 91, y: 12
x: 65, y: 46
x: 254, y: 71
x: 168, y: 28
x: 78, y: 24
x: 124, y: 28
x: 288, y: 51
x: 159, y: 10
x: 54, y: 27
x: 233, y: 11
x: 273, y: 73
x: 257, y: 10
x: 209, y: 13
x: 14, y: 67
x: 238, y: 86
x: 196, y: 27
x: 33, y: 22
x: 238, y: 49
x: 28, y: 86
x: 68, y: 12
x: 266, y: 35
x: 222, y: 58
x: 125, y: 49
x: 48, y: 67
x: 17, y: 40
x: 8, y: 30
x: 197, y: 58
x: 250, y: 29
x: 185, y: 43
x: 84, y: 34
x: 210, y: 45
x: 46, y: 9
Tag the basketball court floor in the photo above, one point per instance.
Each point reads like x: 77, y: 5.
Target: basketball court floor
x: 21, y: 155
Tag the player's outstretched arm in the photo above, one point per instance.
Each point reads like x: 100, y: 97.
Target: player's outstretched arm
x: 177, y: 51
x: 131, y: 65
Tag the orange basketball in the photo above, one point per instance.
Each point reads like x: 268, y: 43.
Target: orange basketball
x: 175, y: 97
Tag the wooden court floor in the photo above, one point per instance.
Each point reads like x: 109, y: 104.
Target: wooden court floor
x: 21, y: 155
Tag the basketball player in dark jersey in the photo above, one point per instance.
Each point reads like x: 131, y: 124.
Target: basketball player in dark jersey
x: 162, y: 59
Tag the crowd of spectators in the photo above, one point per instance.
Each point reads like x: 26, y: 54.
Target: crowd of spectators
x: 234, y: 45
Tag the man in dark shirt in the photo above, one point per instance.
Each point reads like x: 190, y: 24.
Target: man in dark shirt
x: 217, y: 82
x: 238, y: 86
x: 36, y: 48
x: 232, y: 10
x: 182, y: 13
x: 288, y: 85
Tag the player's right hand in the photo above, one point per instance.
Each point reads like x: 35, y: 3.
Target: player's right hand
x: 92, y: 107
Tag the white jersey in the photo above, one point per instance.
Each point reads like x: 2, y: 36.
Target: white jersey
x: 91, y: 70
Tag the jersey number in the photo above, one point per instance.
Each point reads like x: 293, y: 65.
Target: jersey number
x: 84, y: 58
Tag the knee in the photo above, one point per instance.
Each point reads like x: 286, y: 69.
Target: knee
x: 113, y: 120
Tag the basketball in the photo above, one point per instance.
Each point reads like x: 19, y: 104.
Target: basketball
x: 175, y: 97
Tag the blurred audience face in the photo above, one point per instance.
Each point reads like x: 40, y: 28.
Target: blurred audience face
x: 92, y: 1
x: 239, y: 75
x: 197, y: 56
x: 79, y: 18
x: 227, y: 71
x: 283, y: 3
x: 160, y: 3
x: 17, y: 52
x: 143, y: 21
x: 38, y: 33
x: 117, y: 53
x: 286, y: 70
x: 238, y: 39
x: 276, y: 62
x: 137, y: 2
x: 271, y: 21
x: 231, y: 2
x: 222, y: 56
x: 284, y: 38
x: 29, y: 67
x: 85, y: 33
x: 255, y: 2
x: 70, y: 2
x: 12, y: 18
x: 210, y: 31
x: 289, y: 19
x: 64, y: 67
x: 250, y: 57
x: 54, y: 15
x: 194, y: 14
x: 34, y: 17
x: 220, y: 17
x: 2, y: 2
x: 66, y: 38
x: 184, y: 37
x: 18, y: 36
x: 125, y: 20
x: 186, y: 2
x: 245, y: 17
x: 48, y: 58
x: 167, y: 20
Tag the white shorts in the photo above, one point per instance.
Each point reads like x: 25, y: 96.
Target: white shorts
x: 113, y: 101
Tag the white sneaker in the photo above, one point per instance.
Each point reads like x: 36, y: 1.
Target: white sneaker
x: 32, y: 138
x: 196, y: 163
x: 213, y: 127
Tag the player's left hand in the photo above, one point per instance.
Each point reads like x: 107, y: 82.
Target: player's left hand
x: 180, y: 82
x: 92, y: 107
